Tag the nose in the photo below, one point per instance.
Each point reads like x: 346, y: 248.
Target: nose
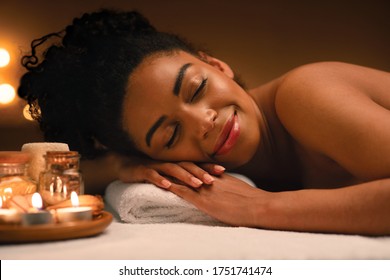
x: 201, y: 121
x: 207, y: 123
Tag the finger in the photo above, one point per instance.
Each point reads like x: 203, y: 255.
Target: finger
x: 185, y: 193
x: 144, y: 174
x: 178, y: 172
x: 192, y: 196
x: 197, y: 171
x: 152, y: 176
x: 213, y: 168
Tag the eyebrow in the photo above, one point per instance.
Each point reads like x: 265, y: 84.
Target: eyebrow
x: 179, y: 78
x: 176, y: 91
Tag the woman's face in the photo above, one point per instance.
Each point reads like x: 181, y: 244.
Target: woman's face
x: 180, y: 108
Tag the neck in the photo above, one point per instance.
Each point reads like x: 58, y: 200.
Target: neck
x: 274, y: 164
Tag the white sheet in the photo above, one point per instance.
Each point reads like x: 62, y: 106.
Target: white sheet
x: 188, y: 241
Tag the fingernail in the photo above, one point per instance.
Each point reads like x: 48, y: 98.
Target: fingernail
x: 208, y: 179
x: 219, y: 168
x: 196, y: 181
x: 166, y: 183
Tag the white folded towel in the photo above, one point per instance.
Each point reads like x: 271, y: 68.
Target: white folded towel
x: 141, y: 203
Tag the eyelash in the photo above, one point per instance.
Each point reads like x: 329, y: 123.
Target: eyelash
x: 199, y: 89
x: 173, y: 137
x: 176, y: 130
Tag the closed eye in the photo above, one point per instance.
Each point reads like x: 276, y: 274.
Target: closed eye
x: 199, y: 89
x: 176, y: 130
x: 174, y: 136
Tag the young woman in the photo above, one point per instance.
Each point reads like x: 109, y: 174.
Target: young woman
x: 156, y: 109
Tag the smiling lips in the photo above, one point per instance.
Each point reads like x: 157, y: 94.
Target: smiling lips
x: 228, y: 137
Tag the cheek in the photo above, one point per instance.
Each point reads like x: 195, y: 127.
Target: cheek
x: 228, y: 90
x: 221, y: 86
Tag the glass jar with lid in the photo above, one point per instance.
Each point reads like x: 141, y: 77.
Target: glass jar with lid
x: 13, y: 176
x: 61, y: 176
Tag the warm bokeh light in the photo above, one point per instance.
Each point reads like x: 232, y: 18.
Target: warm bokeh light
x: 26, y: 113
x: 4, y: 57
x: 7, y: 93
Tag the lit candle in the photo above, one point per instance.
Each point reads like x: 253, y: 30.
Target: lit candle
x: 37, y: 216
x: 6, y: 194
x: 75, y: 213
x: 8, y: 216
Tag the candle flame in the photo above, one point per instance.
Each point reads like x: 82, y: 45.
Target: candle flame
x: 37, y: 201
x: 8, y: 191
x: 74, y: 199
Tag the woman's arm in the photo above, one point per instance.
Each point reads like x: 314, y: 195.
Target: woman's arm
x: 100, y: 172
x: 360, y: 209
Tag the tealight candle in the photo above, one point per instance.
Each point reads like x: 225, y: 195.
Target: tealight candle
x: 8, y: 216
x: 75, y: 213
x: 36, y: 216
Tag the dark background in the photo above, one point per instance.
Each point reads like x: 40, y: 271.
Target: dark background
x: 259, y: 39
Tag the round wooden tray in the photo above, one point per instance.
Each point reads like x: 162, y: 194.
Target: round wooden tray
x: 40, y: 233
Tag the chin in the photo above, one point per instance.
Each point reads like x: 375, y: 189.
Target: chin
x: 241, y: 155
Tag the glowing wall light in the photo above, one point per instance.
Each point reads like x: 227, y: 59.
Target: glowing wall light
x: 4, y: 57
x: 7, y: 93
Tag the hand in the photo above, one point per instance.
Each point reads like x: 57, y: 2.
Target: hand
x: 228, y: 199
x: 162, y: 174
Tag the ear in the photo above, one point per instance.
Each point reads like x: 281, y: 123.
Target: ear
x: 219, y: 64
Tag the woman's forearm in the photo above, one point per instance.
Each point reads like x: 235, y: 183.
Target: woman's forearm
x: 360, y: 209
x: 98, y: 173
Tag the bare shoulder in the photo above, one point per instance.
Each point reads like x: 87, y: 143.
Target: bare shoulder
x: 325, y: 76
x: 341, y: 111
x: 329, y: 84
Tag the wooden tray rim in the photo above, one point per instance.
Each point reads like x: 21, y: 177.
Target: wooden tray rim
x: 54, y: 232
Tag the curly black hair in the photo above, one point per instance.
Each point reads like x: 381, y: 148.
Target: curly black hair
x: 75, y: 91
